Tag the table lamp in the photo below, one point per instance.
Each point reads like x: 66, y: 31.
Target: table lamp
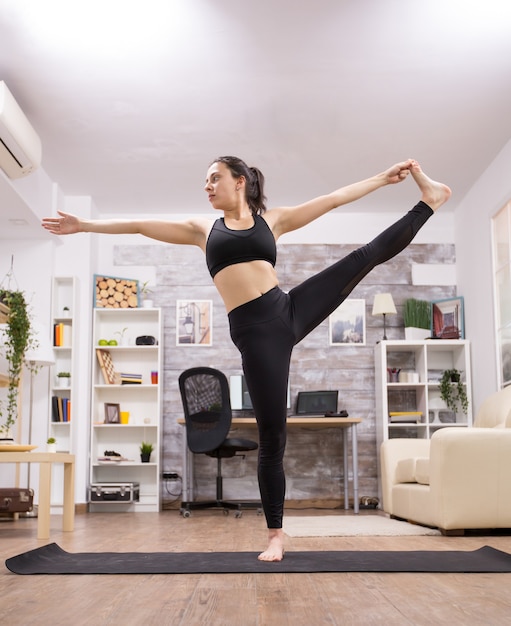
x: 384, y: 305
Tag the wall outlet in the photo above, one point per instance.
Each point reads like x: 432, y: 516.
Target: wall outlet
x: 170, y: 476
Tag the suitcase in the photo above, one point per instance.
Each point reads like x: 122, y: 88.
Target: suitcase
x: 114, y: 492
x: 16, y: 500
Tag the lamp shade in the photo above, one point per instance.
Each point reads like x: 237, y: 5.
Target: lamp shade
x: 42, y: 352
x: 383, y: 304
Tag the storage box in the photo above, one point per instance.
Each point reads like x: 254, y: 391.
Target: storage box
x: 114, y: 492
x: 16, y: 500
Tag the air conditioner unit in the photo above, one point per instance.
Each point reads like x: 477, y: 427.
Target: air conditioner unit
x: 20, y: 146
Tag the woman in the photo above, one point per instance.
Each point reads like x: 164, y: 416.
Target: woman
x: 265, y: 322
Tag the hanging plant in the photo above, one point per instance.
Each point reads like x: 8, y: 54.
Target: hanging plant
x: 17, y: 339
x: 453, y: 391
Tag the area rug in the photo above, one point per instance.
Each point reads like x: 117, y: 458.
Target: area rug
x: 51, y: 559
x: 352, y: 526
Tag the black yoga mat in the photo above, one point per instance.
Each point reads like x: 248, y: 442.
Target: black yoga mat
x: 51, y: 559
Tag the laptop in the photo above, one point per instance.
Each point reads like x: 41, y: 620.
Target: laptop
x: 319, y: 403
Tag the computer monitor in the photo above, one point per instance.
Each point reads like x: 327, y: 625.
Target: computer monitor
x: 316, y: 402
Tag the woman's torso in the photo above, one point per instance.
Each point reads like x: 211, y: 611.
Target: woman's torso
x: 238, y: 280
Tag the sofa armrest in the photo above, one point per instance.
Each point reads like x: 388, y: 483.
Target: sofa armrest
x: 391, y: 452
x: 470, y: 471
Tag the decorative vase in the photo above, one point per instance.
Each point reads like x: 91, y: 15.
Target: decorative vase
x: 435, y: 405
x: 51, y: 447
x: 63, y: 381
x: 147, y: 304
x: 416, y: 334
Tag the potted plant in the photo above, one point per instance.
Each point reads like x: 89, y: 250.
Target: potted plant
x: 16, y: 338
x: 66, y: 312
x: 145, y: 291
x: 51, y: 444
x: 145, y: 451
x: 123, y: 341
x: 63, y: 379
x: 417, y: 319
x: 453, y: 391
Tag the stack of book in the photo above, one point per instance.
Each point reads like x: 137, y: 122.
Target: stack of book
x: 60, y: 409
x: 61, y: 335
x: 131, y: 379
x: 405, y: 417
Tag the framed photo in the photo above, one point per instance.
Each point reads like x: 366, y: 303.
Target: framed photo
x: 447, y: 319
x: 115, y: 293
x: 348, y: 324
x: 194, y: 323
x: 112, y: 413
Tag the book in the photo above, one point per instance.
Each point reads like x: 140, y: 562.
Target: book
x: 130, y: 379
x: 411, y: 417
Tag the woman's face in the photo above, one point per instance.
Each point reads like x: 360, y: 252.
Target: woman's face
x: 222, y: 188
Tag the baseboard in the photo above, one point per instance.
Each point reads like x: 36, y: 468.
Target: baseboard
x: 288, y: 504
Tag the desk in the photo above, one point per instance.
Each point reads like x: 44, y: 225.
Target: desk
x: 345, y: 423
x: 45, y: 460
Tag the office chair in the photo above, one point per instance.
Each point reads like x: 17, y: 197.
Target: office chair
x: 207, y: 408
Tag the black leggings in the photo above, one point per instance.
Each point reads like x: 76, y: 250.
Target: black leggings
x: 266, y: 329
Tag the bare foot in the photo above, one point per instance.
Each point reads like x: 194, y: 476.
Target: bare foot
x: 434, y: 194
x: 275, y: 549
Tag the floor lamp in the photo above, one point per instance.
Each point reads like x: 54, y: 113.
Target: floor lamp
x: 41, y: 355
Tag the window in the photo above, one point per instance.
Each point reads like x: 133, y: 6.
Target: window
x: 501, y: 244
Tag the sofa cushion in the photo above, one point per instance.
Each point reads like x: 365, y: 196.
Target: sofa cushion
x: 405, y: 471
x: 422, y: 471
x: 412, y: 470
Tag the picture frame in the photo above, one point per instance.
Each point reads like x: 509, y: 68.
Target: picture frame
x: 112, y: 292
x: 347, y: 324
x: 194, y: 325
x: 448, y: 318
x: 112, y: 413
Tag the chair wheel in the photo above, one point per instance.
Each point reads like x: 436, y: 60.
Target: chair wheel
x: 259, y: 511
x: 226, y: 511
x: 238, y: 514
x: 186, y: 513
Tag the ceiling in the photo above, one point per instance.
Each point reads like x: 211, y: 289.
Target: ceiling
x: 132, y: 100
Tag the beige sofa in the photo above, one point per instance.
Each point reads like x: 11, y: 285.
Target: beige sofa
x: 459, y: 479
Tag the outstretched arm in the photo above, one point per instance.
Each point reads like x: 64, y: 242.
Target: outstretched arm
x: 193, y: 231
x: 285, y: 219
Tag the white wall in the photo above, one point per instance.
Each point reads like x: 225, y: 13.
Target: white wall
x: 473, y: 251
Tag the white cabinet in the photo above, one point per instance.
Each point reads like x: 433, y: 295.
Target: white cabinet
x: 64, y: 342
x: 407, y: 376
x: 126, y: 387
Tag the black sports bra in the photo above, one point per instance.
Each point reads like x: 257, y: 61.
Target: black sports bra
x: 227, y: 247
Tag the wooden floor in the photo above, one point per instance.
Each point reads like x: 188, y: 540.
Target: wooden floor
x: 245, y: 599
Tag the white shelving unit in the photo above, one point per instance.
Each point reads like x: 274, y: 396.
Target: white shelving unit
x: 141, y: 400
x: 64, y: 341
x: 418, y: 367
